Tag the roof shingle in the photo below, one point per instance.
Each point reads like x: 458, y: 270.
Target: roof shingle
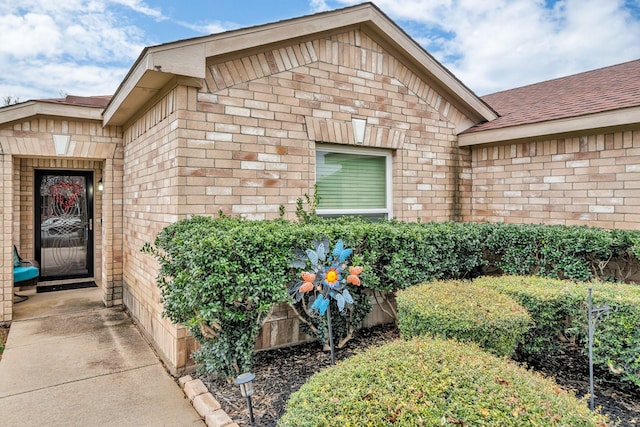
x: 86, y: 101
x: 604, y: 89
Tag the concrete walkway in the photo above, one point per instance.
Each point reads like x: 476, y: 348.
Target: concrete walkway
x: 69, y: 361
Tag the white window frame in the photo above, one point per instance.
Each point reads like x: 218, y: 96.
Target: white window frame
x: 388, y: 211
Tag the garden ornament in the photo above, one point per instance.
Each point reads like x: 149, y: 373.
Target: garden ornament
x: 327, y: 279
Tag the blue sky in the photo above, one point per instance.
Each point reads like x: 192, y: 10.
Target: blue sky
x: 85, y: 47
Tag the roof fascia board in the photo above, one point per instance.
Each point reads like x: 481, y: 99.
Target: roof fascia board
x: 28, y: 109
x: 127, y: 120
x: 193, y: 62
x: 375, y: 21
x: 299, y: 28
x: 127, y: 85
x: 581, y: 124
x: 188, y: 57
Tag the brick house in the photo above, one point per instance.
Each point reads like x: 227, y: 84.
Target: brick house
x: 249, y: 120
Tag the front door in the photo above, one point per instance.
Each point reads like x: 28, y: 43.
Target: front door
x: 64, y: 224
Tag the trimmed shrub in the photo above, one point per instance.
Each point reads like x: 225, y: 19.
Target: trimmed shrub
x: 220, y: 277
x: 563, y: 252
x: 432, y: 382
x: 560, y: 311
x: 552, y: 303
x: 464, y: 311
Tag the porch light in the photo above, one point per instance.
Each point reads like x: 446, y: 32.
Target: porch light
x: 100, y: 185
x: 61, y: 144
x: 245, y: 381
x: 359, y: 126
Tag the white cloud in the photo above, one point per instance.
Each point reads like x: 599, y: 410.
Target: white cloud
x: 141, y: 7
x: 85, y: 47
x: 79, y: 47
x: 318, y: 6
x: 499, y: 44
x: 31, y: 34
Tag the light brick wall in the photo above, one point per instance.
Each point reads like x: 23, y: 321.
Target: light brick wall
x: 589, y: 180
x: 283, y: 328
x: 6, y: 234
x: 244, y: 144
x: 153, y: 197
x: 111, y: 223
x: 266, y: 111
x: 28, y: 145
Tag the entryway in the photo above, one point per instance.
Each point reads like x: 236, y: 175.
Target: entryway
x: 64, y: 228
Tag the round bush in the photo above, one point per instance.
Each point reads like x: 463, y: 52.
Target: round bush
x: 427, y: 381
x: 464, y: 311
x: 559, y: 309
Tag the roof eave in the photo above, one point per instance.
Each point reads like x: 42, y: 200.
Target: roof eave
x: 157, y: 65
x: 548, y: 129
x: 17, y: 112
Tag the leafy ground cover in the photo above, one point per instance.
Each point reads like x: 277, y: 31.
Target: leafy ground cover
x: 280, y: 372
x: 4, y: 333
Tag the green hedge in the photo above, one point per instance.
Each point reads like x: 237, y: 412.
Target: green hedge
x: 574, y: 252
x: 221, y: 276
x: 464, y: 311
x: 559, y: 310
x: 432, y: 382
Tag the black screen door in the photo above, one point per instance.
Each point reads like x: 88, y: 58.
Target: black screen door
x: 64, y: 224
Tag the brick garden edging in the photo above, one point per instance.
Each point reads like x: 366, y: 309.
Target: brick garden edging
x: 204, y: 403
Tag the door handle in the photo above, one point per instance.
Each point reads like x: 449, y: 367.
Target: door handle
x: 91, y: 225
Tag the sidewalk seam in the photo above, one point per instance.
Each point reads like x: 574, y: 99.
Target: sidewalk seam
x: 78, y: 380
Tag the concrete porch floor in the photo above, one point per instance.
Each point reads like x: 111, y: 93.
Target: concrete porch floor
x: 69, y: 361
x: 48, y: 304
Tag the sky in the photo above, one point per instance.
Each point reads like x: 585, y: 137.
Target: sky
x: 49, y: 49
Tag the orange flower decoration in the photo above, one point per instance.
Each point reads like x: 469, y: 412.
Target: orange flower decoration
x: 353, y: 275
x: 355, y: 270
x: 306, y: 287
x: 308, y: 277
x: 353, y: 279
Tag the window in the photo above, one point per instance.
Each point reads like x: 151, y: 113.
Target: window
x: 353, y: 182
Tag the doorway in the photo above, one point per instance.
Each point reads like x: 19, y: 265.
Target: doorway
x: 64, y: 224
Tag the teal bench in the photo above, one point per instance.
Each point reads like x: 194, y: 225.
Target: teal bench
x: 25, y: 274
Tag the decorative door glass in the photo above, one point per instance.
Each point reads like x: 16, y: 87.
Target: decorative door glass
x: 65, y: 226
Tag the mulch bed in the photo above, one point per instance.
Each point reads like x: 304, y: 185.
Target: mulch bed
x: 280, y: 372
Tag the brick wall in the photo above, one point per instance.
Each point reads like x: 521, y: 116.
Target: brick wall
x: 266, y: 111
x: 589, y: 180
x: 283, y: 329
x: 153, y: 197
x: 112, y: 226
x: 244, y: 144
x: 6, y: 234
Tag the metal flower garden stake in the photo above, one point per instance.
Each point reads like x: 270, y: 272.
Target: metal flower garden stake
x: 326, y: 279
x: 594, y: 315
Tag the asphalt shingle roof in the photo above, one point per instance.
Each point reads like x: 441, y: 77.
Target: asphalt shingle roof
x: 86, y: 101
x: 604, y: 89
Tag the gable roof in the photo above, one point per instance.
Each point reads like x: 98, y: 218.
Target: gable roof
x: 77, y: 107
x: 606, y: 97
x: 185, y: 61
